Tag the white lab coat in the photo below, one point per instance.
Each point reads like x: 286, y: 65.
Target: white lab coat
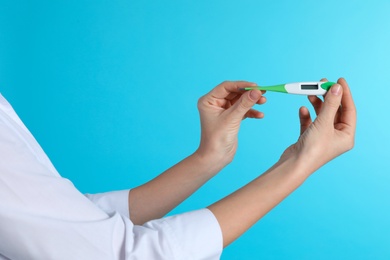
x: 43, y: 216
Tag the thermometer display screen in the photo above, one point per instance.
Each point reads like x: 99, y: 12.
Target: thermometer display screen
x: 309, y: 86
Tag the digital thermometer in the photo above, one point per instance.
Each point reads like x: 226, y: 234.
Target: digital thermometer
x: 300, y: 88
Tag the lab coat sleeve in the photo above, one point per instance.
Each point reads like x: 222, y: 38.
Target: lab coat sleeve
x: 113, y: 201
x: 43, y: 216
x: 192, y: 235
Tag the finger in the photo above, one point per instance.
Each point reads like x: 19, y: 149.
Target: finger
x: 232, y: 101
x: 252, y: 113
x: 348, y: 109
x: 304, y: 119
x: 316, y: 103
x: 331, y: 104
x: 232, y: 96
x: 224, y: 89
x: 262, y: 100
x: 244, y: 104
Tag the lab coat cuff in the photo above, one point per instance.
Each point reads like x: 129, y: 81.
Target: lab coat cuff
x: 111, y: 202
x: 198, y: 234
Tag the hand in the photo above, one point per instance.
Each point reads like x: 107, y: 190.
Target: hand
x: 221, y: 112
x: 333, y: 131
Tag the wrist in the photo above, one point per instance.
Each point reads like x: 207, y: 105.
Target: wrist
x: 212, y: 161
x: 297, y: 164
x: 307, y: 160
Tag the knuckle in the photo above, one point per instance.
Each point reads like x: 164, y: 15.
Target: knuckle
x: 351, y: 144
x: 225, y: 82
x: 348, y: 144
x: 201, y: 102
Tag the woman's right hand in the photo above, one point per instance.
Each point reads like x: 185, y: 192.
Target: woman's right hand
x: 221, y: 113
x: 333, y: 131
x: 331, y: 134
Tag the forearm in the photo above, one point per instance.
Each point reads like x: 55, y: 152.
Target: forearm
x: 243, y: 208
x: 159, y: 196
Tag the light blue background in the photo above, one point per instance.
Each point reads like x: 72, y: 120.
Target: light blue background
x: 109, y: 89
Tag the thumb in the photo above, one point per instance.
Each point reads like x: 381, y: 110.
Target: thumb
x: 245, y: 103
x: 332, y: 103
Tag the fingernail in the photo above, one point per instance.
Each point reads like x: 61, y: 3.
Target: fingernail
x: 254, y: 95
x: 336, y: 89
